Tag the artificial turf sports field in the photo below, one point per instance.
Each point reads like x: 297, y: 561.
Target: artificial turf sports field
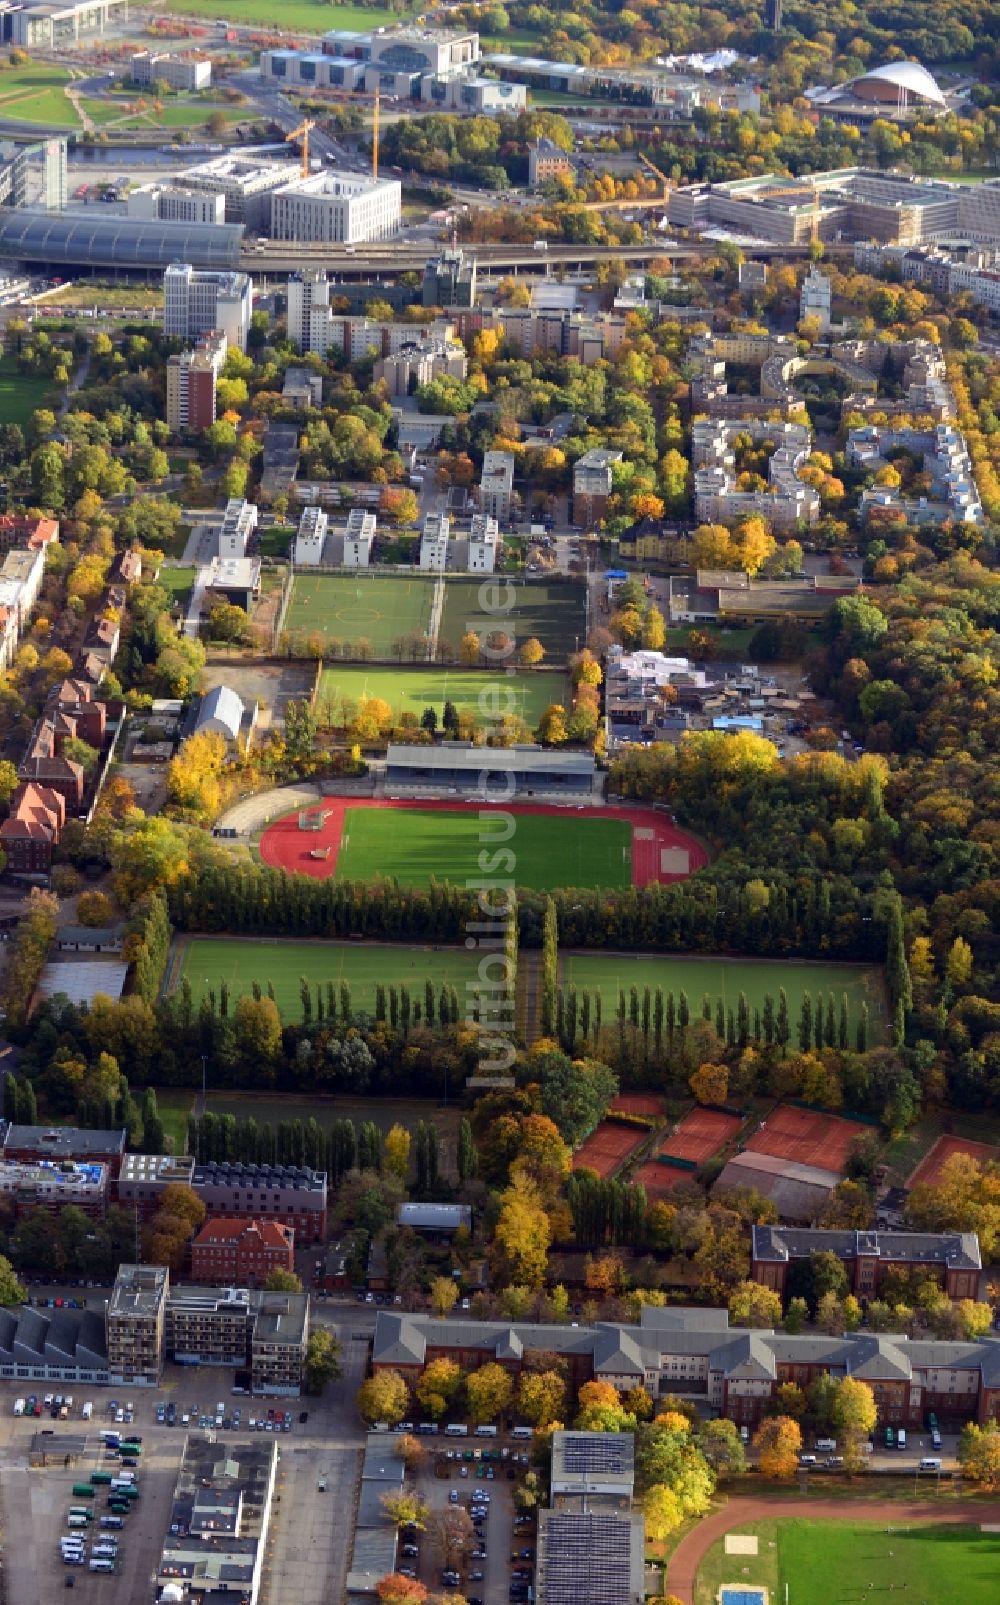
x: 207, y: 961
x: 724, y: 977
x: 846, y: 1562
x: 555, y: 613
x: 413, y: 690
x: 416, y: 846
x: 379, y: 609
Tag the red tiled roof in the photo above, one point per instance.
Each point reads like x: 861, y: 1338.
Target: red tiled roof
x: 226, y: 1230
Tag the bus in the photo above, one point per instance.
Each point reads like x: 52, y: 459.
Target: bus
x: 100, y: 1478
x: 82, y: 1490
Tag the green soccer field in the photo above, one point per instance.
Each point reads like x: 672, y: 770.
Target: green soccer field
x: 555, y: 613
x: 304, y: 16
x: 727, y: 978
x: 416, y: 846
x: 840, y: 1562
x: 413, y: 690
x: 207, y: 961
x: 350, y: 609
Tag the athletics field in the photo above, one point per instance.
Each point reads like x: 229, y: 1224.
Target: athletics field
x: 416, y: 842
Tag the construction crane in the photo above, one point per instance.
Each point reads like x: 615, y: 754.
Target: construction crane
x: 664, y: 180
x: 302, y: 132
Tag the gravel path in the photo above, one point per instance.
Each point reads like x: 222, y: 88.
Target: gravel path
x: 690, y: 1552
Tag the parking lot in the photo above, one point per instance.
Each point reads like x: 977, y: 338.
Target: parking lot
x: 465, y: 1481
x: 308, y: 1545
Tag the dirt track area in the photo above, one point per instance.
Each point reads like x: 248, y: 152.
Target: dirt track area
x: 690, y: 1552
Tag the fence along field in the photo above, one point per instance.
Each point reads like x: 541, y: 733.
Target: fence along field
x: 207, y: 962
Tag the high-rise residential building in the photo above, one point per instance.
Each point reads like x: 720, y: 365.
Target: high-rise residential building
x: 196, y: 302
x: 815, y: 299
x: 497, y: 484
x: 310, y: 538
x: 192, y: 378
x: 309, y: 323
x: 434, y: 542
x: 450, y: 280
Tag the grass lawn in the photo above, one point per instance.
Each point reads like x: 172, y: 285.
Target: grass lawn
x: 275, y: 540
x: 304, y: 16
x: 724, y: 977
x: 103, y: 295
x: 841, y: 1563
x: 284, y: 963
x: 178, y: 582
x: 728, y: 643
x: 174, y: 1105
x: 555, y: 613
x: 420, y: 845
x: 366, y: 608
x: 34, y: 94
x: 747, y: 1571
x: 186, y: 114
x: 413, y: 690
x: 21, y: 394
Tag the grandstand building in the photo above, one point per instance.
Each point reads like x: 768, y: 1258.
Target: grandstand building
x: 458, y: 766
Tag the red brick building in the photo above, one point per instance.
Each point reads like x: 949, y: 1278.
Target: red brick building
x: 241, y: 1253
x: 953, y: 1259
x: 28, y: 835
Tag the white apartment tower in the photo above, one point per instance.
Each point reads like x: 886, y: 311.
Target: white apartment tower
x: 197, y: 303
x: 309, y: 321
x: 358, y: 538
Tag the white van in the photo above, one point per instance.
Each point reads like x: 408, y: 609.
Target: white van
x: 901, y: 1438
x: 77, y: 1521
x: 930, y: 1463
x: 486, y: 1432
x: 456, y: 1429
x: 19, y: 1407
x: 88, y: 1410
x: 827, y: 1445
x: 102, y: 1565
x: 523, y: 1432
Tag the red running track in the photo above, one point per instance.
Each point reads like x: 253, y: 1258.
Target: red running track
x: 284, y: 846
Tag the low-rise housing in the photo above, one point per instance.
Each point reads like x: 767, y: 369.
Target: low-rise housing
x: 434, y: 543
x: 310, y: 538
x: 302, y: 388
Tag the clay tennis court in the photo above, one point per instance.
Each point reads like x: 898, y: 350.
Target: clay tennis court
x: 701, y: 1134
x: 607, y: 1148
x: 930, y: 1167
x: 659, y: 1180
x: 646, y: 1104
x: 661, y: 852
x: 807, y: 1135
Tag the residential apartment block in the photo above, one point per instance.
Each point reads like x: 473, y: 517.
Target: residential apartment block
x: 136, y: 1323
x: 241, y: 1252
x: 192, y: 380
x: 496, y: 485
x: 694, y: 1351
x: 951, y: 1258
x: 786, y: 502
x: 310, y: 538
x: 289, y: 1193
x: 44, y: 1184
x: 484, y: 540
x: 592, y: 484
